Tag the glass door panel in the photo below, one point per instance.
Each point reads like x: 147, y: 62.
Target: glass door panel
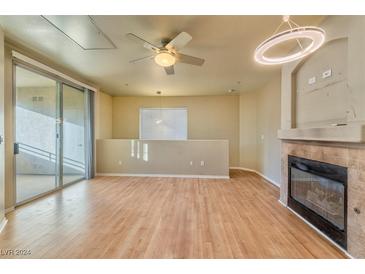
x: 73, y: 135
x: 35, y: 134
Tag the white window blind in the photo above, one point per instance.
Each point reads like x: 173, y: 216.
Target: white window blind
x: 163, y: 124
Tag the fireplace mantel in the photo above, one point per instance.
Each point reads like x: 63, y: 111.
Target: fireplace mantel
x: 354, y: 133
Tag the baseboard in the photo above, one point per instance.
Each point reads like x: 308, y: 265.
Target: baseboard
x: 9, y: 209
x: 3, y: 224
x: 243, y: 168
x: 268, y: 179
x: 284, y: 205
x: 258, y: 173
x: 163, y: 175
x: 319, y: 232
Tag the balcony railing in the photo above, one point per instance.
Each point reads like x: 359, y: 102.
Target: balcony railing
x: 50, y: 156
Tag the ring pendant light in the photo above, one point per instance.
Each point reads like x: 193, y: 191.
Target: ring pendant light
x: 315, y: 34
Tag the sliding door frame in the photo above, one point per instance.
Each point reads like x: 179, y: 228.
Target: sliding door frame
x: 59, y: 135
x: 33, y: 68
x: 82, y: 90
x: 60, y: 81
x: 14, y: 93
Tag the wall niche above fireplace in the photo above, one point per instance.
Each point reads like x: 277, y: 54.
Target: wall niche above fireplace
x: 323, y: 95
x: 327, y: 100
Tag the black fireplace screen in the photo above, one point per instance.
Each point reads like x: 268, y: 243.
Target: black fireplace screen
x: 323, y: 196
x: 317, y: 191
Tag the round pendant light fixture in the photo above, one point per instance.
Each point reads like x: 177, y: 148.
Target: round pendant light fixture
x: 165, y: 59
x: 159, y: 120
x: 314, y: 34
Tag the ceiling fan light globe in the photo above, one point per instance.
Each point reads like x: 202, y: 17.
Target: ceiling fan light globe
x: 165, y: 59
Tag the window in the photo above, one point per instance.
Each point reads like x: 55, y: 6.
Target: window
x: 163, y: 123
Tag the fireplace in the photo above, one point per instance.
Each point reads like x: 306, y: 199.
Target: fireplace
x: 318, y: 192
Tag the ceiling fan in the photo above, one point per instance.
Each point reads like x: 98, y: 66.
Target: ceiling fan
x: 168, y: 54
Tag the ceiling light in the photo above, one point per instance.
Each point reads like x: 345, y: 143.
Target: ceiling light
x: 165, y: 59
x: 315, y: 34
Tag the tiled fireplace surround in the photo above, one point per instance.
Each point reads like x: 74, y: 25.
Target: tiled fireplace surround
x: 348, y: 155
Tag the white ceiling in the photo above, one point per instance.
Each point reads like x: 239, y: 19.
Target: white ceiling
x: 226, y: 43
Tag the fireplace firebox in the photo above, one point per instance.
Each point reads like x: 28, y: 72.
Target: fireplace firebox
x: 318, y: 192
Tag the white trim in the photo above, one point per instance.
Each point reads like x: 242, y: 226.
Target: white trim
x: 164, y: 175
x: 9, y: 209
x: 243, y: 168
x: 320, y: 232
x: 268, y: 179
x: 282, y: 203
x: 49, y: 69
x: 258, y: 173
x: 3, y: 224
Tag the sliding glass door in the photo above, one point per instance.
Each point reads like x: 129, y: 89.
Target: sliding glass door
x: 49, y: 136
x: 35, y: 134
x: 73, y: 134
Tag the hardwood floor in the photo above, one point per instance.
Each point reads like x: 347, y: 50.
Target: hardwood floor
x: 135, y: 217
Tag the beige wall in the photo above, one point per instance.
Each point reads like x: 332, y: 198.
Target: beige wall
x: 259, y: 123
x: 248, y: 130
x: 103, y: 116
x: 243, y: 120
x: 209, y: 117
x: 268, y: 124
x: 163, y: 157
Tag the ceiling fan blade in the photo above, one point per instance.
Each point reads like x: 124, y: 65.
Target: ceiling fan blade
x: 191, y: 60
x: 141, y: 59
x: 169, y: 70
x: 179, y: 41
x: 145, y: 44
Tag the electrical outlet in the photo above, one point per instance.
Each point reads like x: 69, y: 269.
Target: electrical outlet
x: 312, y: 80
x: 191, y: 163
x: 202, y: 163
x: 120, y: 162
x: 327, y: 73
